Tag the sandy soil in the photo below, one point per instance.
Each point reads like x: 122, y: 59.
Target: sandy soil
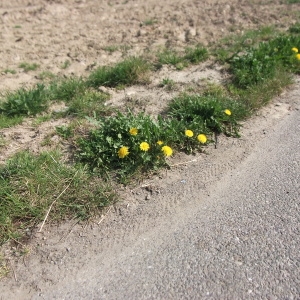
x: 51, y: 32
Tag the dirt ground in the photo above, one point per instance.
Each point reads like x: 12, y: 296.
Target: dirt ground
x: 67, y: 37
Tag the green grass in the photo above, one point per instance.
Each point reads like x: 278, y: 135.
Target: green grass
x: 11, y: 71
x: 25, y: 102
x: 293, y: 1
x: 28, y: 67
x: 66, y: 64
x: 258, y: 64
x: 129, y: 71
x: 192, y: 55
x: 8, y: 121
x: 235, y: 43
x: 31, y: 185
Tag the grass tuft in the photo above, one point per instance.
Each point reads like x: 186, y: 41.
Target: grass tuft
x: 30, y: 184
x: 130, y: 71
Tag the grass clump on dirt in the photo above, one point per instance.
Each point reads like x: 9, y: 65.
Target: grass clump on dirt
x: 130, y: 71
x: 31, y: 186
x: 28, y: 67
x: 25, y: 102
x: 192, y: 55
x: 258, y: 64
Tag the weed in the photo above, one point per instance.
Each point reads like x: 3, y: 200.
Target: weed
x: 46, y: 75
x: 28, y: 67
x: 232, y: 44
x: 168, y: 83
x: 25, y: 101
x: 130, y: 71
x: 258, y: 64
x: 293, y: 1
x: 30, y: 184
x: 66, y: 89
x: 9, y: 121
x: 66, y: 64
x: 90, y: 103
x: 171, y: 57
x: 295, y: 28
x: 196, y: 54
x: 149, y: 22
x: 64, y: 131
x: 111, y: 48
x: 6, y: 71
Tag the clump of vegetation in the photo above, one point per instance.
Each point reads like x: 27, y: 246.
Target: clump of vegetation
x: 28, y: 67
x: 258, y: 64
x: 25, y: 102
x: 31, y: 186
x: 130, y: 71
x: 192, y: 55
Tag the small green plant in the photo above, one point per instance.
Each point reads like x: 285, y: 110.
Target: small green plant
x: 111, y: 48
x: 196, y: 55
x: 293, y: 1
x: 9, y: 121
x: 66, y: 89
x: 46, y: 75
x: 25, y: 102
x: 28, y: 67
x: 209, y: 113
x: 66, y: 64
x: 171, y: 57
x: 130, y: 71
x: 31, y: 186
x: 235, y: 43
x: 168, y: 83
x: 64, y: 131
x: 4, y: 270
x: 295, y: 28
x: 149, y: 22
x: 6, y: 71
x: 90, y: 103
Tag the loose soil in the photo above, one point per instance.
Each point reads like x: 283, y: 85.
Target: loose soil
x: 67, y: 37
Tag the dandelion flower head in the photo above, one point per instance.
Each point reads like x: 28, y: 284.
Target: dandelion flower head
x: 144, y: 146
x: 295, y: 49
x: 298, y: 56
x: 189, y: 133
x: 202, y: 138
x: 227, y: 112
x: 133, y: 131
x: 167, y: 150
x: 160, y: 143
x: 123, y: 151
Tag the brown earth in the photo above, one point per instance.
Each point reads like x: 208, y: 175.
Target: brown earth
x: 51, y: 32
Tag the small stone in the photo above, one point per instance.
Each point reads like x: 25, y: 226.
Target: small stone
x: 148, y: 197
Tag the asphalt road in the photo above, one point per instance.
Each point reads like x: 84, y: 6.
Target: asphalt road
x: 242, y: 242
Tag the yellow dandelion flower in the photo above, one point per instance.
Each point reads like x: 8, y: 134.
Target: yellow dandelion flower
x: 294, y: 49
x: 160, y: 143
x: 298, y: 56
x: 144, y: 146
x: 133, y: 131
x: 202, y: 138
x: 123, y: 151
x: 167, y: 150
x: 189, y: 133
x: 227, y: 112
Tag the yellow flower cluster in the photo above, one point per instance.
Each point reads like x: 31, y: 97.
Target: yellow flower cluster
x: 294, y: 49
x: 200, y: 137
